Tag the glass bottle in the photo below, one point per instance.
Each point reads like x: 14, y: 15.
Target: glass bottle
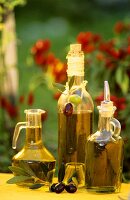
x: 75, y: 118
x: 34, y: 154
x: 104, y: 150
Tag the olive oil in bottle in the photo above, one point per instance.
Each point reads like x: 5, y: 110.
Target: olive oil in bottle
x: 75, y: 118
x: 43, y: 170
x: 104, y: 151
x: 34, y: 160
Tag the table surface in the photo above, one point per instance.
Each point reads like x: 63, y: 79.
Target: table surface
x: 14, y: 192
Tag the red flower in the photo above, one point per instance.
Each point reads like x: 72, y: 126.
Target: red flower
x: 89, y: 48
x: 122, y: 53
x: 44, y: 116
x: 30, y: 99
x: 59, y: 71
x: 50, y: 59
x: 96, y: 38
x: 99, y: 98
x: 128, y: 49
x: 40, y: 59
x: 128, y: 39
x: 121, y: 103
x: 88, y: 40
x: 40, y: 46
x: 3, y: 102
x: 119, y: 27
x: 12, y: 110
x: 106, y: 46
x: 21, y: 99
x: 84, y: 38
x: 128, y: 71
x: 114, y: 53
x: 100, y: 56
x: 57, y: 95
x: 110, y: 64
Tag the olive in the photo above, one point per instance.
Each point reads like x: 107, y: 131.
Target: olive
x: 75, y: 99
x: 68, y: 110
x: 71, y: 188
x: 52, y: 188
x: 59, y: 187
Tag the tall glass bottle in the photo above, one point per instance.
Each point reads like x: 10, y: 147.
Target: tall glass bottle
x: 34, y: 154
x: 75, y: 117
x: 104, y: 150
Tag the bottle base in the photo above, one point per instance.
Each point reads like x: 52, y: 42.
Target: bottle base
x: 103, y: 189
x: 75, y: 170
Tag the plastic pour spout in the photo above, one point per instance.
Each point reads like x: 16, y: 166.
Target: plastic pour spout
x: 106, y: 109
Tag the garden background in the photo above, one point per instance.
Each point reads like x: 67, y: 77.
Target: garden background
x: 103, y: 29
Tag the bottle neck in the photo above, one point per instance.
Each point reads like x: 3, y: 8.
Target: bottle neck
x: 34, y: 137
x: 77, y: 79
x: 104, y: 123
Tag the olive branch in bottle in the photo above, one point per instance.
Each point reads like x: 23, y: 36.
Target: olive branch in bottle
x: 25, y: 173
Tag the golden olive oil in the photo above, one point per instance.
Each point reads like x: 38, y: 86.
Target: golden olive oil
x: 104, y: 166
x: 43, y: 170
x: 73, y: 133
x: 37, y: 163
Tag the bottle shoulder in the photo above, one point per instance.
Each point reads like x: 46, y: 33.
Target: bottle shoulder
x: 79, y: 97
x: 104, y: 137
x: 41, y: 154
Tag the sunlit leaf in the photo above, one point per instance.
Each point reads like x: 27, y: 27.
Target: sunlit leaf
x: 59, y: 86
x: 122, y: 79
x: 36, y: 186
x: 18, y: 170
x: 26, y: 167
x: 73, y: 175
x: 74, y: 179
x: 18, y: 179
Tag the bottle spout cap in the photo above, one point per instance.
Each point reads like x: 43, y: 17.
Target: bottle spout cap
x: 107, y: 109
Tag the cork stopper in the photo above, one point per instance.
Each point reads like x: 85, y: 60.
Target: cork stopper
x: 75, y: 47
x: 75, y: 59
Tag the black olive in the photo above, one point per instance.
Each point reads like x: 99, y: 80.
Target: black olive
x: 52, y: 188
x: 59, y: 187
x: 68, y: 110
x: 71, y: 188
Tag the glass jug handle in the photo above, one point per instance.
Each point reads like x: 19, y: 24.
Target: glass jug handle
x: 116, y: 126
x: 18, y: 127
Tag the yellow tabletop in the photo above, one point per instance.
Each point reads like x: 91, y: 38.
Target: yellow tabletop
x: 14, y: 192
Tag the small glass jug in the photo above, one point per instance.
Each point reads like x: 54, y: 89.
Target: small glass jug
x: 33, y: 156
x: 104, y: 150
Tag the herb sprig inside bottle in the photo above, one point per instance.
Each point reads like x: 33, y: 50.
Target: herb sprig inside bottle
x: 25, y: 173
x: 75, y: 95
x: 75, y: 117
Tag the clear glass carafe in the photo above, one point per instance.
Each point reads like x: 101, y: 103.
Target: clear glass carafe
x: 104, y: 151
x: 74, y: 128
x: 34, y: 154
